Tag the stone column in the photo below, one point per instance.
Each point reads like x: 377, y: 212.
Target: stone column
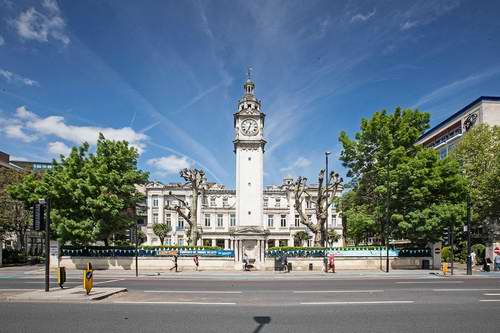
x: 213, y: 242
x: 226, y: 244
x: 276, y: 242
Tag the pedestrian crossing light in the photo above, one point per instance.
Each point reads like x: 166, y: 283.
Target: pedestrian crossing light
x: 446, y: 236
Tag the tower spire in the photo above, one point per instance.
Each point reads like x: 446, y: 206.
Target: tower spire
x: 249, y: 86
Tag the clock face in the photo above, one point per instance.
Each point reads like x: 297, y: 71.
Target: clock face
x: 249, y: 127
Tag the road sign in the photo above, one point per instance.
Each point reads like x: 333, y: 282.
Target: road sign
x: 437, y: 250
x: 497, y: 250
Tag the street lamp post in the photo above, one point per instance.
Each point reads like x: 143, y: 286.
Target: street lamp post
x: 469, y: 245
x: 327, y: 196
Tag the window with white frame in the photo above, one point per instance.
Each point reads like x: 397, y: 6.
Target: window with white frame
x: 180, y: 241
x: 232, y: 220
x: 220, y: 220
x: 283, y: 221
x: 207, y: 220
x: 334, y: 220
x: 225, y: 202
x: 155, y: 218
x: 297, y: 220
x: 180, y: 223
x: 277, y: 203
x: 270, y: 221
x: 308, y: 203
x: 266, y: 202
x: 168, y: 219
x: 155, y: 201
x: 212, y: 201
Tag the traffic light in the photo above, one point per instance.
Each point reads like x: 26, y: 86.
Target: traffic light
x: 38, y: 217
x: 446, y: 236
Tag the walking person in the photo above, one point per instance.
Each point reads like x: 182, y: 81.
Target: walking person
x: 497, y: 262
x: 331, y: 262
x: 284, y: 263
x: 472, y: 259
x: 246, y: 262
x: 196, y: 262
x: 175, y: 263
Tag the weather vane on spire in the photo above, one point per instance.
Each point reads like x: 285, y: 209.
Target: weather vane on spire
x: 249, y: 72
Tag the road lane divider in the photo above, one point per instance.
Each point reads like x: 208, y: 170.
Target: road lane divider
x: 175, y: 303
x: 428, y: 282
x: 192, y: 291
x: 467, y: 289
x: 491, y: 294
x: 489, y: 300
x: 336, y: 291
x: 357, y: 303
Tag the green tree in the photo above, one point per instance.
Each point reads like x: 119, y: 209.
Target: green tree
x: 404, y: 188
x: 332, y: 237
x: 92, y: 195
x: 14, y: 216
x: 161, y: 230
x: 301, y: 236
x: 478, y: 152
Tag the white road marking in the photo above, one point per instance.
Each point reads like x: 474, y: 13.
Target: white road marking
x: 427, y: 282
x: 177, y: 303
x: 467, y: 289
x: 357, y: 302
x: 14, y: 289
x: 109, y: 281
x: 491, y: 294
x: 489, y: 300
x: 336, y: 291
x: 192, y: 292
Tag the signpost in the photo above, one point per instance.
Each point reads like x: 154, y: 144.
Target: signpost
x: 437, y: 250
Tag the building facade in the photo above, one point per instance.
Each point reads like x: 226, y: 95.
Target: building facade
x: 445, y: 135
x: 249, y: 219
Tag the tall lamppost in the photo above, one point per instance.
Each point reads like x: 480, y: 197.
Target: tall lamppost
x: 327, y: 196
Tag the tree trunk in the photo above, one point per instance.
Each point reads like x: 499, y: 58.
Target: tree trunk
x: 194, y: 235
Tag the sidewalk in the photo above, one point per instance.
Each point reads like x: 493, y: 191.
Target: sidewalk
x: 68, y: 294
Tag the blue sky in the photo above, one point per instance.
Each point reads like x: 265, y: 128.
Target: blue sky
x: 166, y: 75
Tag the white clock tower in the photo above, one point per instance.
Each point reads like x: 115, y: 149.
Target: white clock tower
x: 249, y: 148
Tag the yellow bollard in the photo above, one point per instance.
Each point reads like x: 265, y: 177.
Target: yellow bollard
x: 88, y: 275
x: 444, y: 268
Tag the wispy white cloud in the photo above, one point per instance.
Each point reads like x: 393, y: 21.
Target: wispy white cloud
x: 57, y: 148
x: 16, y: 78
x: 456, y: 86
x: 27, y: 126
x: 363, y: 17
x: 39, y: 26
x: 408, y: 25
x: 168, y: 165
x: 299, y: 164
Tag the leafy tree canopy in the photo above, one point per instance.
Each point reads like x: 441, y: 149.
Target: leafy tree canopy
x: 92, y: 195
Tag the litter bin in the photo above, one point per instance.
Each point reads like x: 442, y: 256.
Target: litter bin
x: 426, y: 264
x: 310, y: 266
x: 289, y: 267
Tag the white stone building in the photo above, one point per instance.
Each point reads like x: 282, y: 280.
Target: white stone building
x: 249, y: 219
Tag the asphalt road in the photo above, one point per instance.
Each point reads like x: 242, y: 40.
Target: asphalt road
x: 262, y: 303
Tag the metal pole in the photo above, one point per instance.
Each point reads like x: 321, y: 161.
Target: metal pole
x: 136, y: 251
x: 327, y: 197
x: 47, y: 248
x: 469, y: 245
x: 452, y: 256
x: 387, y: 223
